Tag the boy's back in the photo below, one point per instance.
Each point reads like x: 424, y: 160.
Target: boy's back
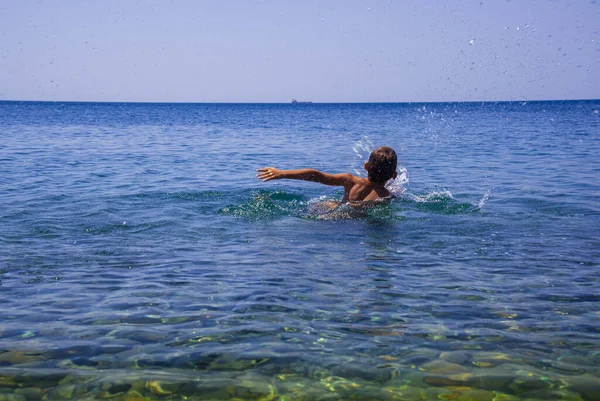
x: 362, y: 189
x: 381, y: 167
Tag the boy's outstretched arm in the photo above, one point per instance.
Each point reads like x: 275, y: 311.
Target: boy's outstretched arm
x: 307, y: 174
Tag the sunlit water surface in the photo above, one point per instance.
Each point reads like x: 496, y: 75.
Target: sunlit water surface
x: 140, y: 258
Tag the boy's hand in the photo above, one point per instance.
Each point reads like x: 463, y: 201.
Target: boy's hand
x: 269, y: 173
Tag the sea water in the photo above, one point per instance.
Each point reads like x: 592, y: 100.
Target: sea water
x: 141, y: 258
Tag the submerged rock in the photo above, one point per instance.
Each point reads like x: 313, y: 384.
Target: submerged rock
x: 20, y: 357
x: 406, y: 393
x: 77, y: 363
x: 441, y: 381
x: 442, y: 367
x: 339, y: 384
x: 495, y: 380
x: 573, y: 364
x: 475, y: 395
x: 163, y: 388
x: 495, y: 357
x: 65, y: 392
x: 306, y: 391
x: 30, y: 393
x: 505, y: 397
x: 550, y: 394
x: 483, y: 364
x: 576, y: 360
x: 588, y: 387
x: 253, y: 390
x: 8, y: 382
x: 12, y: 397
x: 43, y: 381
x: 524, y: 384
x: 379, y: 373
x: 211, y: 389
x: 237, y: 364
x: 196, y: 360
x: 112, y: 388
x: 133, y: 395
x: 73, y: 379
x: 458, y: 357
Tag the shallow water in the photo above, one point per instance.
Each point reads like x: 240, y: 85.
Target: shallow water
x: 140, y: 257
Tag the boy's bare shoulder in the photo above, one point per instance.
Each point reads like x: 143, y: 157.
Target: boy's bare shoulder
x: 347, y: 175
x: 349, y: 178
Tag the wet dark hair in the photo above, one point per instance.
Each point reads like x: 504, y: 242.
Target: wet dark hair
x: 382, y: 164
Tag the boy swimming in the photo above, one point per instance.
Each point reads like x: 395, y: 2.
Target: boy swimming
x: 381, y: 167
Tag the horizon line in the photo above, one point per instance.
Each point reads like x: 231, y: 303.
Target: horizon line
x: 299, y: 103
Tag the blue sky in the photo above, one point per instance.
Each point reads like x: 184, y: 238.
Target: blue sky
x: 324, y: 51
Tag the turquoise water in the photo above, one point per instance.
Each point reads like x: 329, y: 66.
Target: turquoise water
x: 140, y: 257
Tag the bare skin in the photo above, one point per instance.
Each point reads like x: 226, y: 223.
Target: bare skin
x: 356, y: 189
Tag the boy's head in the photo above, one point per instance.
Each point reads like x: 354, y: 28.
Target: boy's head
x: 382, y: 164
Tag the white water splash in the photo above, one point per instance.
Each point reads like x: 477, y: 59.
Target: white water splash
x: 362, y: 149
x: 398, y: 185
x: 484, y: 198
x: 435, y: 196
x: 447, y: 200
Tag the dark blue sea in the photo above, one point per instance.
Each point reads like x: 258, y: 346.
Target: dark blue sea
x: 141, y: 258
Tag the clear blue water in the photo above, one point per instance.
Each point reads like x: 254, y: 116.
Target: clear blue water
x: 140, y: 258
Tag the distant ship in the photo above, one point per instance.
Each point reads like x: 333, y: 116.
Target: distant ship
x: 294, y: 101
